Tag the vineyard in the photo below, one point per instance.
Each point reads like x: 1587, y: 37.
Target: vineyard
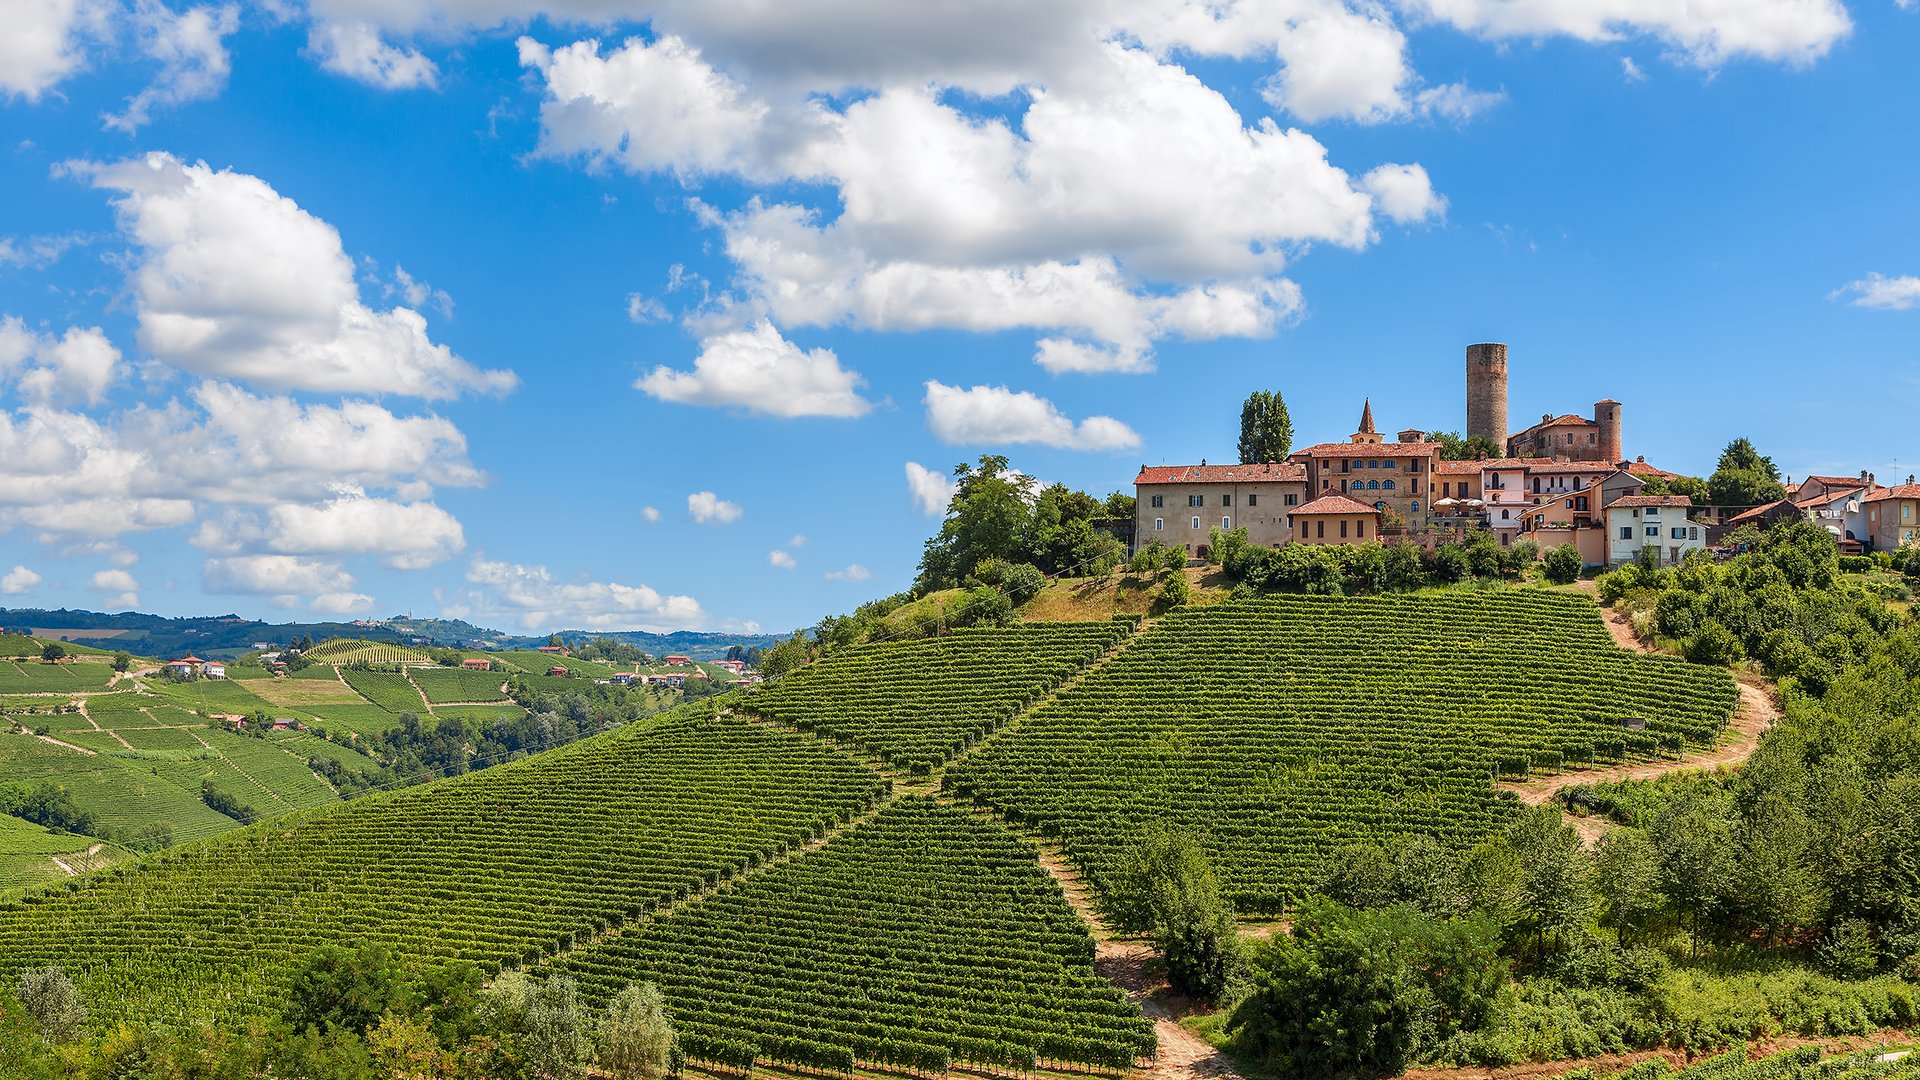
x: 447, y: 685
x: 494, y: 867
x: 1801, y: 1063
x: 792, y: 909
x: 338, y: 651
x: 917, y: 704
x: 922, y: 937
x: 1277, y: 731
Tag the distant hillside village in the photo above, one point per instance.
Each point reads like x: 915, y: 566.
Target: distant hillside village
x: 1565, y: 480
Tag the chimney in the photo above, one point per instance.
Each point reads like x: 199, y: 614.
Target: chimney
x: 1203, y: 463
x: 1864, y: 474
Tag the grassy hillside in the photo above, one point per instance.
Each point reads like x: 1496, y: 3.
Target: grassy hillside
x: 489, y: 867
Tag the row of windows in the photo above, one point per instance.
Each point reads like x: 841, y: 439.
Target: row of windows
x: 1373, y: 485
x: 1196, y: 501
x: 1160, y: 525
x: 1691, y: 532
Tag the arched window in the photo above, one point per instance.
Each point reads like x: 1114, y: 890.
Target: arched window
x: 1373, y: 485
x: 1416, y: 508
x: 1388, y: 484
x: 1380, y: 506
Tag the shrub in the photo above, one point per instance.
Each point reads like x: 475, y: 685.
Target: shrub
x: 1713, y: 644
x: 1563, y: 565
x: 49, y: 996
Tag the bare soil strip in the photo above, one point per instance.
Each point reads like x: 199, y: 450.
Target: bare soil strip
x: 1128, y: 964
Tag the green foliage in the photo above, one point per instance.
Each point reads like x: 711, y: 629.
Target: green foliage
x: 51, y: 999
x: 53, y: 652
x: 636, y: 1039
x: 1366, y: 993
x: 1744, y: 477
x: 1020, y: 581
x: 1454, y: 447
x: 552, y: 1026
x: 997, y: 514
x: 1713, y: 644
x: 1175, y: 591
x: 1563, y: 564
x: 1266, y: 431
x: 1166, y: 888
x: 346, y: 987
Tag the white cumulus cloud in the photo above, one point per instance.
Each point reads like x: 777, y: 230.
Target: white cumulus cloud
x: 46, y: 41
x: 758, y: 370
x: 356, y: 50
x: 781, y: 560
x: 19, y: 581
x: 1880, y: 291
x: 191, y: 48
x: 75, y: 368
x: 124, y: 590
x: 932, y: 491
x: 651, y: 514
x: 537, y: 600
x: 342, y: 603
x: 274, y: 575
x: 235, y: 280
x: 1708, y: 33
x: 710, y: 509
x: 1404, y: 193
x: 995, y: 415
x: 855, y: 572
x: 407, y: 536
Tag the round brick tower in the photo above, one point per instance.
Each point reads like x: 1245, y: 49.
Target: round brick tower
x: 1607, y: 415
x: 1487, y: 392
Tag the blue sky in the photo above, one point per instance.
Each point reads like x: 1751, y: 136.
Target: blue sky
x: 628, y: 314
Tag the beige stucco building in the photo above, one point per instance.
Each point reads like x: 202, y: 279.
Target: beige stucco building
x: 1179, y: 505
x: 1395, y: 478
x: 1893, y: 516
x: 1336, y: 520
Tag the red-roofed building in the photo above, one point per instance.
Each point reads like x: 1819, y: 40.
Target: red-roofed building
x: 1335, y: 520
x: 1395, y: 478
x: 1573, y: 438
x: 477, y: 663
x: 1893, y: 516
x: 1179, y: 505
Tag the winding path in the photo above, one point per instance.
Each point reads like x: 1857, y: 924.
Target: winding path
x: 1758, y: 711
x: 1127, y: 962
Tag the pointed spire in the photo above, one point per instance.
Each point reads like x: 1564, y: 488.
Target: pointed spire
x: 1366, y: 418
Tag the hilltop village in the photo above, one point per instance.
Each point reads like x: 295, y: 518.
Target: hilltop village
x: 1564, y: 480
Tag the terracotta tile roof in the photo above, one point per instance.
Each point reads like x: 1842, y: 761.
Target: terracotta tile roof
x: 1759, y: 512
x: 1562, y: 421
x: 1903, y: 491
x: 1333, y: 504
x: 1276, y: 472
x: 1369, y: 450
x: 1836, y: 481
x: 1548, y: 466
x: 1456, y: 468
x: 1650, y: 500
x: 1641, y: 468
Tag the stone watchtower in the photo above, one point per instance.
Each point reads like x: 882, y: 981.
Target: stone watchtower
x: 1606, y: 414
x: 1487, y: 393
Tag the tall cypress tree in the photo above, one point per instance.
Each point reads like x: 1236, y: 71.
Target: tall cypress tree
x: 1266, y: 433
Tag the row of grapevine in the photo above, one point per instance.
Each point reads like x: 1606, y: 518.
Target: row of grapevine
x: 923, y: 937
x: 1800, y: 1063
x: 1277, y: 731
x: 497, y: 866
x: 443, y: 685
x: 919, y: 703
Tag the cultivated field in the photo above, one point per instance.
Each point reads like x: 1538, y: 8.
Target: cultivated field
x: 1279, y: 730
